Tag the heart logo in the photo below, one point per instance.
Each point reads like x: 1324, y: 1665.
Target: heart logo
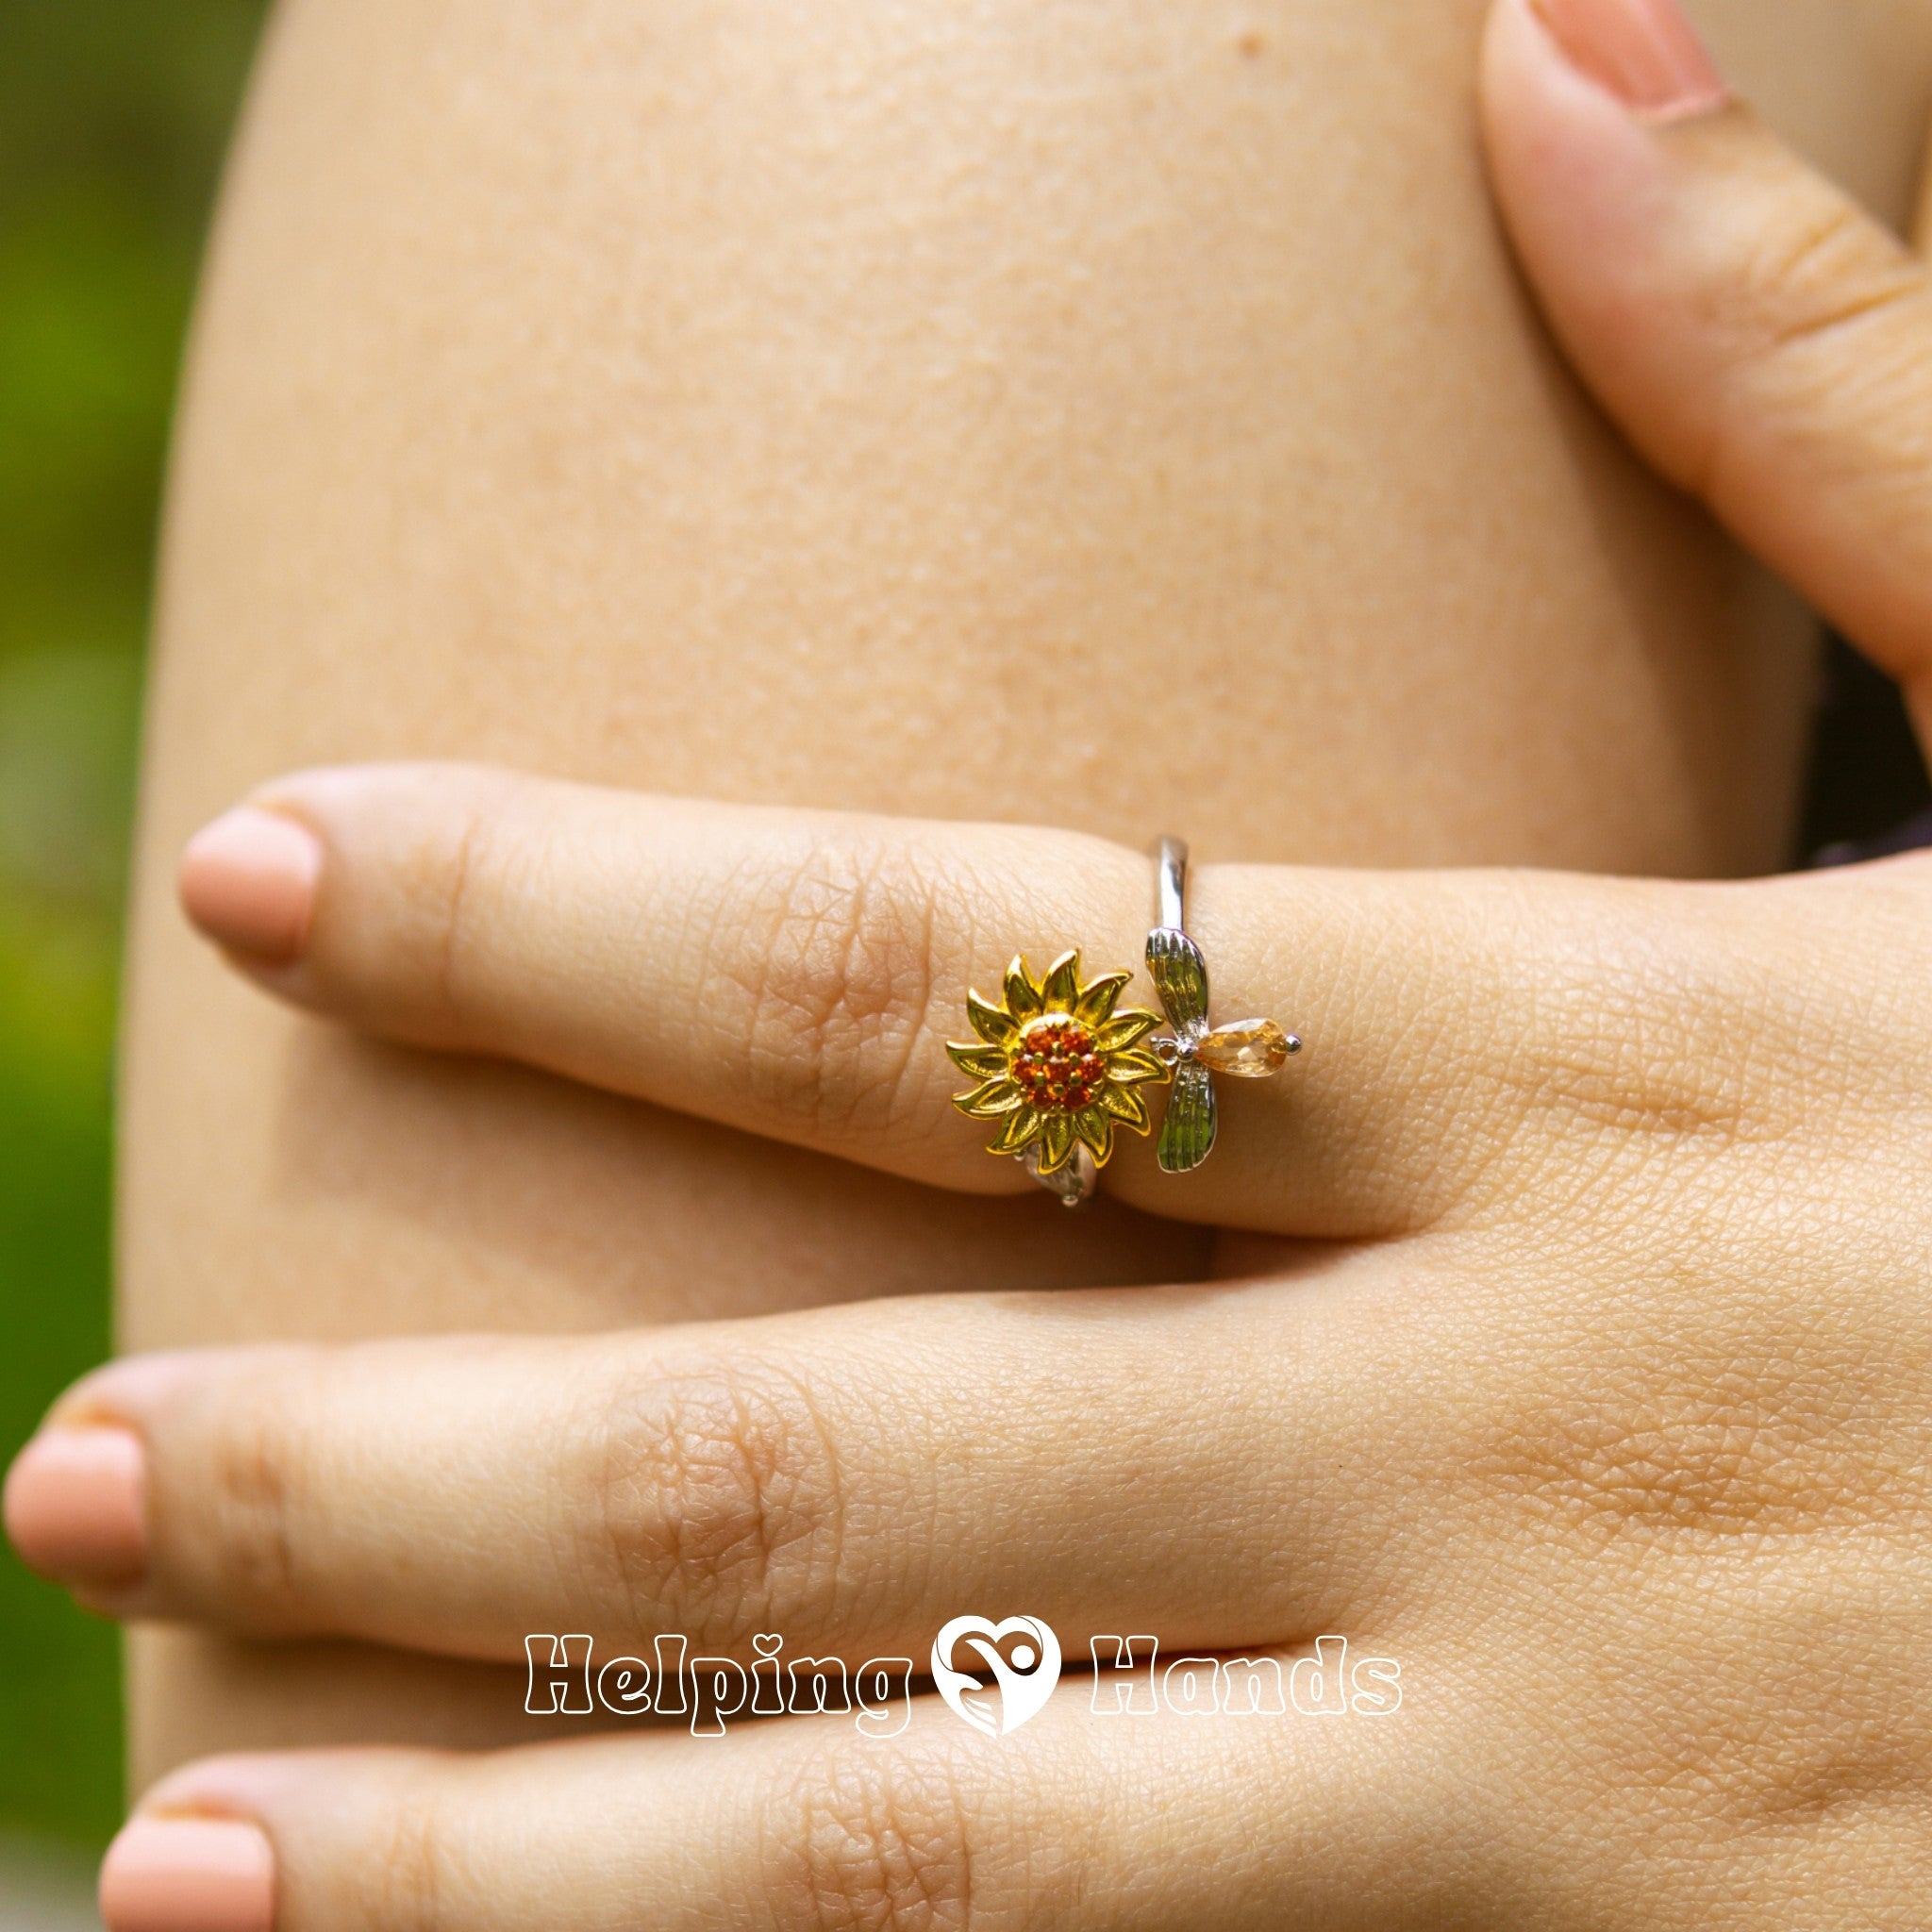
x: 1025, y: 1681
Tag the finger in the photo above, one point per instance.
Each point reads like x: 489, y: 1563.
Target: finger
x: 801, y: 976
x: 1075, y: 1821
x: 831, y: 1478
x: 794, y: 974
x: 1765, y: 343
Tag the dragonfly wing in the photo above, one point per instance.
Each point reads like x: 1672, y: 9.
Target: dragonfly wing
x: 1187, y: 1135
x: 1180, y: 977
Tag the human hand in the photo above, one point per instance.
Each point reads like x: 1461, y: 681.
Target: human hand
x: 1575, y: 1357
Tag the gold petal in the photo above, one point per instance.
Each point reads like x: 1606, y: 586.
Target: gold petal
x: 989, y: 1102
x: 1061, y: 989
x: 1096, y: 1129
x: 1125, y: 1029
x: 1126, y: 1105
x: 1124, y: 1068
x: 982, y: 1062
x: 1098, y: 1000
x: 1022, y: 1129
x: 1023, y: 997
x: 993, y: 1025
x: 1056, y: 1141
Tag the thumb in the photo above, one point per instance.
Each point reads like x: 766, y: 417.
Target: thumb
x: 1761, y: 339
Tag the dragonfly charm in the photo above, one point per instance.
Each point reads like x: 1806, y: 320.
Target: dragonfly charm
x: 1247, y: 1050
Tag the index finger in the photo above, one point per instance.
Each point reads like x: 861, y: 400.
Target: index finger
x: 1761, y: 339
x: 802, y: 975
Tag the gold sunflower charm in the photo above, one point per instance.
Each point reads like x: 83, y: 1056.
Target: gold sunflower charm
x: 1058, y: 1067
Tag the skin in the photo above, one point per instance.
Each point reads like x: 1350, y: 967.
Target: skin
x: 459, y: 478
x: 1570, y: 1350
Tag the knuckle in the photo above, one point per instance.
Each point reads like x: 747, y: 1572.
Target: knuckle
x: 401, y: 935
x: 829, y: 1003
x: 1606, y: 1077
x: 1655, y: 1472
x: 1824, y: 268
x: 254, y: 1475
x: 876, y: 1844
x: 1731, y: 1440
x: 1712, y: 1048
x: 408, y: 1877
x: 463, y: 870
x: 1660, y: 1039
x: 1734, y: 1030
x: 712, y: 1499
x: 1823, y: 289
x: 453, y: 903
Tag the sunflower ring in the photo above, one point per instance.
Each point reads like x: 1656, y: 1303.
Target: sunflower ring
x: 1061, y: 1062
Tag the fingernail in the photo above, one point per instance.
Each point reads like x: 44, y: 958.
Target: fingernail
x: 248, y: 881
x: 188, y: 1874
x: 76, y: 1506
x: 1645, y: 52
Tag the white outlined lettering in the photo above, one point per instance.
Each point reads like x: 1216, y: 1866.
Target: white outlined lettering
x: 1383, y: 1700
x: 767, y: 1685
x: 1316, y: 1683
x: 1192, y: 1687
x: 818, y: 1683
x: 884, y: 1691
x: 1019, y: 1655
x: 721, y: 1687
x: 564, y: 1676
x: 1251, y: 1687
x: 1119, y: 1688
x: 670, y: 1699
x: 624, y: 1687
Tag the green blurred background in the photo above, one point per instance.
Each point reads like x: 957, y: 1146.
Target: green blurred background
x: 112, y: 118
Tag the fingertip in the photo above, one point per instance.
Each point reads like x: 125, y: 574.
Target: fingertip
x: 1760, y: 338
x: 248, y: 881
x: 75, y: 1505
x: 188, y: 1874
x: 1551, y: 124
x: 1607, y: 208
x: 1543, y: 120
x: 1644, y: 52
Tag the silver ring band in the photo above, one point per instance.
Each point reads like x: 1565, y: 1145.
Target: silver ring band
x: 1170, y: 881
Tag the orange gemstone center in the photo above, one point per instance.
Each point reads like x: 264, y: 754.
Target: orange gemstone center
x: 1056, y: 1066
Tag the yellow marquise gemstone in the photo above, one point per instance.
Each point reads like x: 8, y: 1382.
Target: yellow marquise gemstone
x: 1250, y: 1049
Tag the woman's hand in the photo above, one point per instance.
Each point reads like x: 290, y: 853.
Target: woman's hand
x: 1574, y: 1352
